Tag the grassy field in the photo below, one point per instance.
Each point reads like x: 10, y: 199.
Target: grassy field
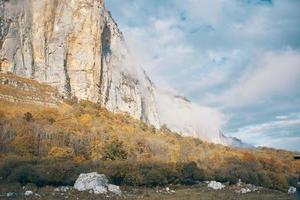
x: 197, y: 192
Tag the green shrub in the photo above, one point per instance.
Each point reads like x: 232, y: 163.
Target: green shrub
x: 190, y: 173
x: 154, y: 177
x: 134, y: 178
x: 25, y: 174
x: 8, y: 164
x: 292, y: 180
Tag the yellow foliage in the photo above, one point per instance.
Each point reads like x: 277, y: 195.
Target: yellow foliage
x: 61, y: 152
x: 85, y: 119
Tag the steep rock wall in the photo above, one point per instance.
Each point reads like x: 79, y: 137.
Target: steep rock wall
x: 75, y: 46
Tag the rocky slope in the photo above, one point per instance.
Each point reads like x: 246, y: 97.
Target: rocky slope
x: 24, y: 91
x: 75, y: 46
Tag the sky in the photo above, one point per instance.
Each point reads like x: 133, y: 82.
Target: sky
x: 240, y: 57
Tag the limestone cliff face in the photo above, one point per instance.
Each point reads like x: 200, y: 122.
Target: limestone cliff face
x: 75, y: 46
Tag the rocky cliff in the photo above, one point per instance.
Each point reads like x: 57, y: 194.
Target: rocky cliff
x: 75, y: 46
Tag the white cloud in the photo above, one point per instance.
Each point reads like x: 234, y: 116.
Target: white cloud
x: 282, y: 117
x: 189, y: 118
x: 259, y: 129
x: 290, y: 143
x: 275, y: 73
x: 272, y: 134
x: 209, y: 12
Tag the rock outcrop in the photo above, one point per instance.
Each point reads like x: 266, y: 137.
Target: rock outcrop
x: 21, y: 90
x: 76, y: 47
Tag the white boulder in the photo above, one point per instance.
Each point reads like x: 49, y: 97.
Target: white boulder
x: 98, y: 183
x: 215, y: 185
x: 292, y: 190
x: 29, y: 193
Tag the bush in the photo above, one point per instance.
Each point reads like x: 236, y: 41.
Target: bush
x: 40, y: 172
x: 114, y: 150
x: 152, y: 173
x: 154, y: 177
x: 134, y: 178
x: 25, y: 174
x: 28, y: 117
x: 8, y: 165
x: 59, y: 172
x: 190, y: 173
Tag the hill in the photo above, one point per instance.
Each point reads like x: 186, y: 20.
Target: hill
x: 51, y: 144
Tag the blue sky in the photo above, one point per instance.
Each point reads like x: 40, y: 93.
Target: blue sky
x: 241, y: 57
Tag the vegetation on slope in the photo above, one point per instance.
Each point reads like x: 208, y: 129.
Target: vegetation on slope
x: 53, y: 145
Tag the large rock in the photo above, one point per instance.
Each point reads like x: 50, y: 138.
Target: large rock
x: 98, y: 183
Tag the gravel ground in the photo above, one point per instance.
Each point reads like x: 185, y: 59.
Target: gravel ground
x: 198, y: 192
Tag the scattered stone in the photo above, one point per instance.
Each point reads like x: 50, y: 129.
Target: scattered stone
x: 239, y: 183
x: 215, y: 185
x: 292, y: 190
x: 10, y: 194
x: 246, y: 188
x: 29, y: 193
x: 243, y: 191
x: 62, y: 189
x: 98, y: 183
x: 167, y: 189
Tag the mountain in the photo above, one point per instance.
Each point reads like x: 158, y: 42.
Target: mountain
x: 76, y: 47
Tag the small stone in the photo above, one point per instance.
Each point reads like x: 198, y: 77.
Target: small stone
x: 292, y: 190
x: 245, y: 190
x: 62, y: 189
x: 10, y: 194
x: 29, y: 193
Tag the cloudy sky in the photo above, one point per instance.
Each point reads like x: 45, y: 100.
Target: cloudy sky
x: 241, y: 57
